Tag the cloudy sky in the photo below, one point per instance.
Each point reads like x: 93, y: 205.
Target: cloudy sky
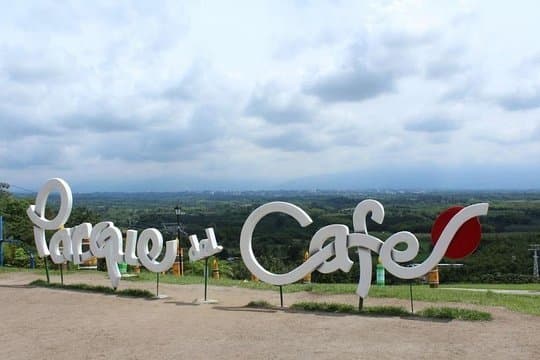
x: 159, y: 96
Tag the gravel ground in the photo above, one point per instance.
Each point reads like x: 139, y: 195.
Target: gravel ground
x: 57, y: 324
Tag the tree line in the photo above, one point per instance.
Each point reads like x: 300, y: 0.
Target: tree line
x: 512, y: 224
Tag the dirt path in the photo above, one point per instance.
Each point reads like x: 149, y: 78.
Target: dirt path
x: 498, y: 291
x: 56, y: 324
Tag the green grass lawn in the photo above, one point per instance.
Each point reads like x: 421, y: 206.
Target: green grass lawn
x: 528, y: 304
x: 529, y: 287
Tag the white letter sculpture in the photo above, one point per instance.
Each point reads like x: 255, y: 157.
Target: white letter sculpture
x: 105, y: 238
x: 205, y: 248
x: 360, y: 239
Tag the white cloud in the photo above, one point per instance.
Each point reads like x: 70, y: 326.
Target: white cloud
x: 433, y: 123
x: 277, y: 107
x: 262, y: 93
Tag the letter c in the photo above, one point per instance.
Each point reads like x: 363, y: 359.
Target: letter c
x: 246, y: 248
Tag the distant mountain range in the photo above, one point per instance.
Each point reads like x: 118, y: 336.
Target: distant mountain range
x: 436, y: 178
x: 383, y: 178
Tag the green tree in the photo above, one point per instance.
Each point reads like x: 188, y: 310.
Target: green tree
x: 4, y: 189
x: 16, y: 222
x: 81, y: 215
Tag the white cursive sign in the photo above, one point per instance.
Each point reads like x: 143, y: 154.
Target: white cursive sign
x: 105, y: 238
x: 337, y: 250
x: 205, y: 248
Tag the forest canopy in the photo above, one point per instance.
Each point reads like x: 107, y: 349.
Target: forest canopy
x: 512, y: 224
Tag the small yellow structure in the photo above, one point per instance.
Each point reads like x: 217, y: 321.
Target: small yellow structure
x: 307, y: 278
x: 215, y: 269
x: 433, y: 277
x: 178, y: 266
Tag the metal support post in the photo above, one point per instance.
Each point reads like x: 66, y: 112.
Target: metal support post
x: 178, y: 211
x: 535, y: 248
x: 205, y: 278
x: 412, y: 304
x: 62, y: 274
x: 181, y: 259
x: 47, y: 270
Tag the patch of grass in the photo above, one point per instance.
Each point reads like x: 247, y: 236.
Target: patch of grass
x: 138, y: 293
x: 446, y: 313
x: 349, y: 309
x: 259, y: 304
x: 95, y: 288
x: 385, y: 310
x: 455, y: 313
x: 79, y: 287
x: 325, y: 307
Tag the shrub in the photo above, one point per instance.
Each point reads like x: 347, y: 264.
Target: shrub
x: 20, y: 258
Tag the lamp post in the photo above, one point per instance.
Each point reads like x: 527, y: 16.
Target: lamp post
x: 180, y: 256
x: 535, y: 248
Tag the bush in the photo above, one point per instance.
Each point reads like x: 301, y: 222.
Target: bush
x: 499, y: 278
x: 239, y: 271
x: 15, y: 256
x: 20, y: 258
x: 196, y: 268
